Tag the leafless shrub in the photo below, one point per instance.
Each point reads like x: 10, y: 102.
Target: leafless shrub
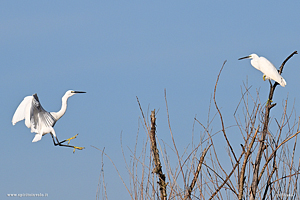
x: 264, y: 167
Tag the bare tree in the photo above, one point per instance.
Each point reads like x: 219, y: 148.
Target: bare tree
x: 264, y: 167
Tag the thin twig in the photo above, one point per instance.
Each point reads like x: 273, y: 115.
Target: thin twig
x: 242, y: 178
x: 222, y: 122
x: 190, y: 189
x: 228, y: 177
x: 116, y: 170
x: 179, y: 160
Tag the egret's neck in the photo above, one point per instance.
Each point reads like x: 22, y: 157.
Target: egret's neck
x: 63, y: 109
x: 255, y: 64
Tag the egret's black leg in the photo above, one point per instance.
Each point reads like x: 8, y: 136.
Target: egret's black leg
x: 69, y: 139
x: 65, y: 145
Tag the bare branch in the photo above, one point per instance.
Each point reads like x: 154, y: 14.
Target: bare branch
x: 158, y: 168
x: 190, y: 189
x: 223, y: 127
x: 242, y: 178
x: 116, y: 170
x: 269, y: 106
x: 179, y: 160
x: 282, y: 65
x: 228, y: 177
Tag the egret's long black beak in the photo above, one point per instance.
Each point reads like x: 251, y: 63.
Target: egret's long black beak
x: 244, y: 57
x: 78, y: 92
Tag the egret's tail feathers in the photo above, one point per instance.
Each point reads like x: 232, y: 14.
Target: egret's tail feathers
x: 37, y: 137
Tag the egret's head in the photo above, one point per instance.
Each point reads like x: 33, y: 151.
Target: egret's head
x: 251, y: 56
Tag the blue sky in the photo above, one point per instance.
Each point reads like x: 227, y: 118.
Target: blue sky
x: 115, y: 51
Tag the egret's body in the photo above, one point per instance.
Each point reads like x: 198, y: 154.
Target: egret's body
x: 39, y: 120
x: 267, y: 68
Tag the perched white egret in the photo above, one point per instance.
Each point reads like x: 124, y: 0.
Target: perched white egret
x: 266, y: 67
x: 40, y: 121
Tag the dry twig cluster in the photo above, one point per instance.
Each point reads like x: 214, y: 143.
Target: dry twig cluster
x: 265, y: 167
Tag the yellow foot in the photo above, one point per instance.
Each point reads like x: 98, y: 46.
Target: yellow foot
x: 268, y: 101
x: 71, y: 138
x: 264, y: 77
x: 80, y: 148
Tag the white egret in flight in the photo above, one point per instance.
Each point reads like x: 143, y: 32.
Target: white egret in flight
x: 40, y: 121
x: 266, y: 67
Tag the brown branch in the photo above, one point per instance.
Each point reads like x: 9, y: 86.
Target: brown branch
x: 169, y: 123
x: 269, y: 180
x: 142, y: 113
x: 228, y: 177
x: 101, y: 176
x: 293, y: 156
x: 223, y: 127
x: 269, y: 106
x: 242, y: 179
x: 158, y: 168
x: 287, y: 176
x: 282, y: 65
x: 116, y: 170
x: 214, y: 150
x: 273, y: 154
x: 220, y: 177
x: 190, y: 189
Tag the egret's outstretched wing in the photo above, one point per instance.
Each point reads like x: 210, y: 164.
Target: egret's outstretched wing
x: 40, y: 119
x: 23, y: 111
x: 36, y: 118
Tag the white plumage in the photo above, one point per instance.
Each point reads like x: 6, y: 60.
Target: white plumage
x: 39, y: 120
x: 267, y: 68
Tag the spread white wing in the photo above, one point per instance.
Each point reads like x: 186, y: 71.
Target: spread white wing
x: 36, y: 118
x: 23, y: 111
